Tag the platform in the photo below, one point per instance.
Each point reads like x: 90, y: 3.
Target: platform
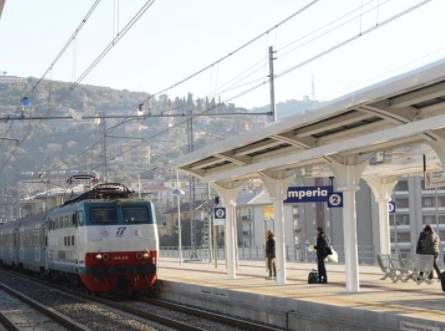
x: 381, y: 305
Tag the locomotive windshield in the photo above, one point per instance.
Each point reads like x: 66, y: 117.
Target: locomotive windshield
x: 133, y: 215
x: 103, y: 215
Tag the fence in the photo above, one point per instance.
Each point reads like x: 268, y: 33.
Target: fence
x: 367, y: 255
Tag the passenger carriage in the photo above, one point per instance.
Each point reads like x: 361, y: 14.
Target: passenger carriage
x: 9, y: 244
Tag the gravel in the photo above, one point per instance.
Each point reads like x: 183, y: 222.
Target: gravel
x: 25, y: 317
x: 183, y: 317
x: 92, y: 315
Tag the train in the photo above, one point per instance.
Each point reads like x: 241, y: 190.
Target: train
x: 103, y: 239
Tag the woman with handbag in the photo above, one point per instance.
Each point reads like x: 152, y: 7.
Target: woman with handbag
x: 323, y: 250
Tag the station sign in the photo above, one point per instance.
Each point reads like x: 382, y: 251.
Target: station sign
x: 391, y: 207
x: 303, y: 194
x: 219, y: 216
x: 335, y: 200
x: 219, y: 212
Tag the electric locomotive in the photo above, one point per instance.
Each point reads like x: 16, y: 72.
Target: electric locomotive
x: 102, y: 238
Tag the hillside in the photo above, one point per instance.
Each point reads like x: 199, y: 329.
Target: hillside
x: 51, y: 145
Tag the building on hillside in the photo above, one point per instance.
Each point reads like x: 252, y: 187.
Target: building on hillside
x: 171, y: 223
x: 38, y: 204
x: 132, y: 158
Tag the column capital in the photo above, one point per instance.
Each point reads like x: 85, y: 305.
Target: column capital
x: 439, y: 148
x: 228, y: 192
x: 276, y: 186
x: 348, y: 175
x: 382, y: 187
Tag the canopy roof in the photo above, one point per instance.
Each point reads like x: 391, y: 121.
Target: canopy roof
x: 393, y: 115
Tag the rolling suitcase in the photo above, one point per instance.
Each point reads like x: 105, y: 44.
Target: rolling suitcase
x: 312, y: 278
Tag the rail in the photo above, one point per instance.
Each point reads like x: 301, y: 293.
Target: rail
x: 51, y: 313
x: 7, y: 323
x: 248, y: 325
x: 169, y: 322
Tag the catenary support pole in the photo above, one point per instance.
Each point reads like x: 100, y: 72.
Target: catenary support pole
x: 347, y: 178
x: 178, y: 204
x: 272, y: 84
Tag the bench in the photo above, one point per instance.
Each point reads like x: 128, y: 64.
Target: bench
x: 397, y: 268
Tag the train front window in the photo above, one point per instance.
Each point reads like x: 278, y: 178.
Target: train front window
x: 135, y: 215
x: 103, y: 216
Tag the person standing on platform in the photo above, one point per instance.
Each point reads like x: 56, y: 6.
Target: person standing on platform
x: 270, y: 254
x: 322, y: 248
x: 428, y: 244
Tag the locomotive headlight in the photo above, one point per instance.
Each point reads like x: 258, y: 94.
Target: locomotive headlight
x: 99, y: 257
x: 146, y: 255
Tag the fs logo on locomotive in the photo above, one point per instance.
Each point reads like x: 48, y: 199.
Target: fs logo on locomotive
x: 120, y: 231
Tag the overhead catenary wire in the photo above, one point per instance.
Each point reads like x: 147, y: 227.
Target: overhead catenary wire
x: 347, y: 41
x: 338, y: 19
x: 120, y: 34
x: 66, y: 45
x: 236, y: 50
x: 96, y: 61
x: 357, y: 36
x: 383, y: 23
x: 50, y: 67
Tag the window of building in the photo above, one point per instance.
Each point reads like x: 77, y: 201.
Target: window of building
x: 402, y: 203
x: 429, y: 219
x: 423, y: 186
x: 401, y: 186
x: 442, y: 235
x: 428, y: 202
x: 404, y: 237
x: 401, y: 219
x: 441, y: 219
x: 441, y: 201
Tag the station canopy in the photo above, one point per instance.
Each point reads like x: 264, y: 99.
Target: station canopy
x: 391, y: 124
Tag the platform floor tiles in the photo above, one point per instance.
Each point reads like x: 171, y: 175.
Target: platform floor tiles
x: 421, y: 301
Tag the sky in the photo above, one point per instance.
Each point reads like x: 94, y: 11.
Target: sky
x: 175, y: 38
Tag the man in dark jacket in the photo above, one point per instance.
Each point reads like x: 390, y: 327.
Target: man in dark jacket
x: 270, y: 254
x: 322, y: 248
x: 428, y: 244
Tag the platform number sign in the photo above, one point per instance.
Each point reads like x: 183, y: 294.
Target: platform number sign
x: 220, y: 213
x: 219, y: 216
x: 335, y: 200
x: 391, y: 207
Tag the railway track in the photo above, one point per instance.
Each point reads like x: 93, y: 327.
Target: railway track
x: 162, y: 313
x: 228, y: 320
x: 60, y: 319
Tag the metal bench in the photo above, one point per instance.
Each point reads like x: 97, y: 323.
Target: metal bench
x: 422, y: 267
x: 397, y: 268
x: 386, y: 266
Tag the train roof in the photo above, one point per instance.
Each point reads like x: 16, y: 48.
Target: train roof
x: 104, y: 191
